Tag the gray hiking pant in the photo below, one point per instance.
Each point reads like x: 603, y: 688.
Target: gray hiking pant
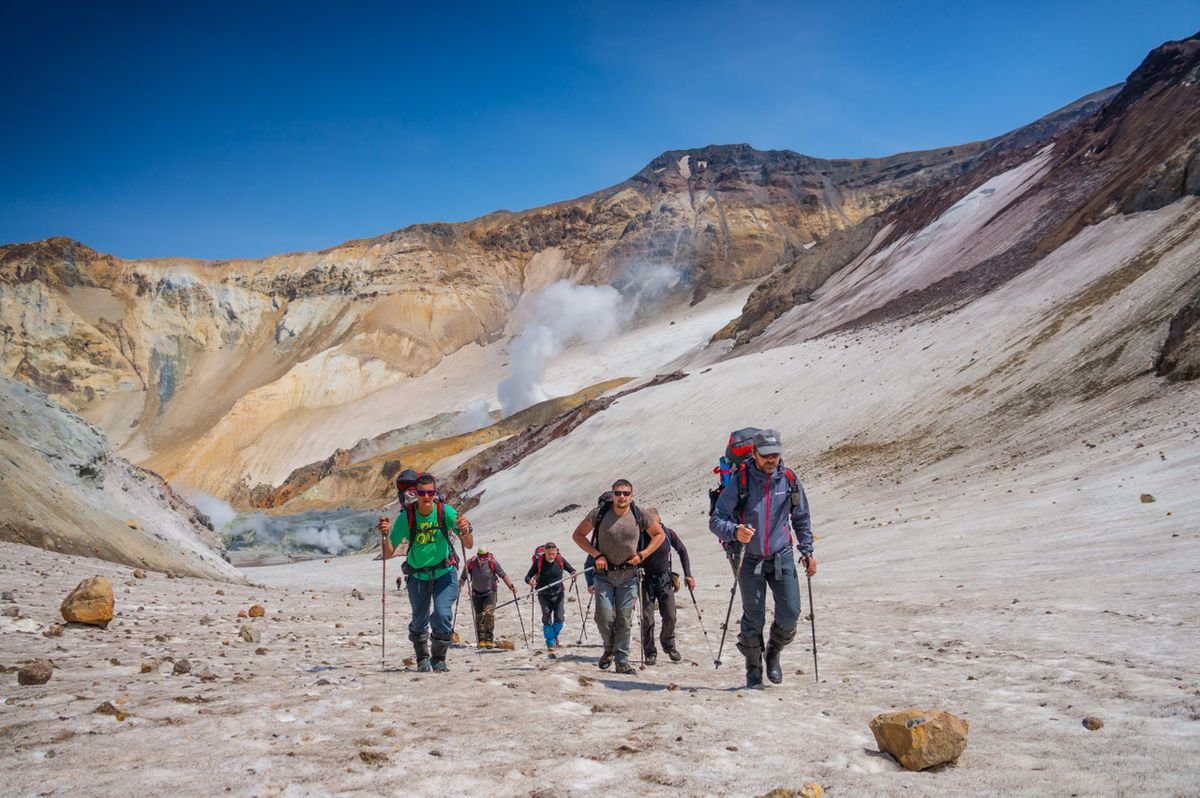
x: 616, y: 594
x: 779, y: 574
x: 657, y: 592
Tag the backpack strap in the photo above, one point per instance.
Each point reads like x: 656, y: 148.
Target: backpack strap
x: 411, y: 514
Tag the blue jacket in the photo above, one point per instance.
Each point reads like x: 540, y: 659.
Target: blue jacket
x: 768, y: 509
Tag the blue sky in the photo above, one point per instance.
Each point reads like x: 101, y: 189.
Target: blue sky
x: 220, y: 130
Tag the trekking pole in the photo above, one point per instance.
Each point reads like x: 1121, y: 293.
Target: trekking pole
x: 583, y: 632
x: 383, y: 605
x: 383, y: 614
x: 532, y: 625
x: 521, y: 618
x: 582, y: 617
x: 474, y: 618
x: 737, y: 572
x: 515, y: 600
x: 700, y: 618
x: 812, y: 617
x: 641, y: 612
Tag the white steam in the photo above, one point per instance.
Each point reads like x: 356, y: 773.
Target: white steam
x: 217, y: 511
x: 477, y: 415
x: 564, y: 314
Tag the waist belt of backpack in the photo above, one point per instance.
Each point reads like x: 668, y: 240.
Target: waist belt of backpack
x: 774, y: 559
x: 429, y: 569
x: 623, y: 567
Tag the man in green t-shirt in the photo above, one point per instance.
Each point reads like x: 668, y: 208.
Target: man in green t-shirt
x: 430, y: 566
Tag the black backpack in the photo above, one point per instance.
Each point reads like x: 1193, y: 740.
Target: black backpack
x: 605, y: 503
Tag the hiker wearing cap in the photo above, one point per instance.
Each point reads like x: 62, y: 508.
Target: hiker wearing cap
x: 546, y: 575
x: 760, y: 508
x: 659, y: 584
x: 485, y: 574
x: 624, y: 536
x: 431, y: 566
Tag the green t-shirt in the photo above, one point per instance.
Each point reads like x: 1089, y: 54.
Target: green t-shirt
x: 429, y: 546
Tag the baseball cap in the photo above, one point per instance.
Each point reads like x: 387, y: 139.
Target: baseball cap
x: 767, y: 442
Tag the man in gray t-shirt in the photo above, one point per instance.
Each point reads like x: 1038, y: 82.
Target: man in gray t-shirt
x: 625, y: 535
x: 484, y: 573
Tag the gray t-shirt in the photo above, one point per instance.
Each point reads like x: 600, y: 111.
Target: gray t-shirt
x: 618, y: 535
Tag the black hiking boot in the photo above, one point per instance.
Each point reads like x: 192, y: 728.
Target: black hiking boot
x: 754, y: 670
x: 775, y: 645
x: 441, y: 644
x: 651, y: 658
x: 421, y: 649
x: 625, y: 668
x: 674, y: 654
x: 606, y: 661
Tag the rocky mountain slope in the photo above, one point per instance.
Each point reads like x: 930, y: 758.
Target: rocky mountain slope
x: 63, y: 489
x: 215, y: 373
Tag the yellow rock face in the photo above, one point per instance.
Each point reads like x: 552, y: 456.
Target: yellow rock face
x: 920, y: 738
x: 90, y: 602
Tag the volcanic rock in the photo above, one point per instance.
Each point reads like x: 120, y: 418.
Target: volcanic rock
x: 91, y: 602
x: 1092, y: 723
x: 182, y: 666
x: 249, y: 633
x: 920, y: 738
x: 258, y: 611
x: 36, y: 672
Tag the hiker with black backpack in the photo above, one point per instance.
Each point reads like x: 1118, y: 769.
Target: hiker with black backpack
x: 485, y: 575
x: 431, y: 567
x: 759, y: 507
x: 624, y: 535
x: 546, y: 576
x: 659, y: 585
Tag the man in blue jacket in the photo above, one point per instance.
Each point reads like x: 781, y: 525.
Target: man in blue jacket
x: 759, y: 508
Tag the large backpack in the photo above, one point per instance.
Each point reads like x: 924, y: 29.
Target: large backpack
x: 539, y: 558
x: 490, y: 560
x: 605, y: 505
x: 733, y: 465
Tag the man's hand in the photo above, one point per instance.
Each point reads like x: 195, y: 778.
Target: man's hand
x: 512, y: 587
x: 635, y: 560
x: 690, y: 582
x: 531, y: 582
x: 462, y: 525
x: 600, y: 563
x: 744, y: 534
x: 385, y: 526
x: 810, y: 565
x: 591, y: 590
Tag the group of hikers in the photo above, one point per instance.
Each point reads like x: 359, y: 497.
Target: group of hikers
x: 758, y: 513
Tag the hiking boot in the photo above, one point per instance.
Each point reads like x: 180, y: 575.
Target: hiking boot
x: 439, y: 665
x: 606, y: 661
x: 674, y: 654
x: 421, y: 649
x: 625, y: 668
x: 651, y: 659
x: 775, y: 645
x: 752, y: 650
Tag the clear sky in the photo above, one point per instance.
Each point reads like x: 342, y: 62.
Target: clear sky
x: 246, y: 129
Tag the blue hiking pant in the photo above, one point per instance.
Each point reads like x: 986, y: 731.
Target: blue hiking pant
x: 441, y: 593
x: 616, y: 594
x: 779, y: 574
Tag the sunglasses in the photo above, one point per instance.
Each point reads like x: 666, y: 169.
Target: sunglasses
x: 622, y: 493
x: 426, y: 492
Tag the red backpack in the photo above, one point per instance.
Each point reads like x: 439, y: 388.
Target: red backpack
x: 490, y: 560
x: 539, y: 558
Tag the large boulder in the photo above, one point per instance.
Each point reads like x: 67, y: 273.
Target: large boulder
x: 920, y: 738
x: 90, y: 602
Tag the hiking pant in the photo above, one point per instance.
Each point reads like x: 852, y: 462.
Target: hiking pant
x: 554, y: 610
x: 441, y: 593
x: 485, y: 614
x: 778, y: 573
x: 616, y: 593
x: 657, y: 591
